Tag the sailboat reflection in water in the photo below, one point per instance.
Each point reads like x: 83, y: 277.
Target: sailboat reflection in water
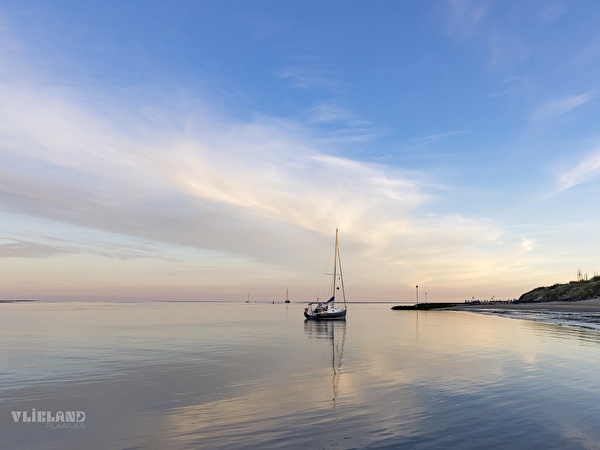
x: 335, y: 332
x: 330, y: 310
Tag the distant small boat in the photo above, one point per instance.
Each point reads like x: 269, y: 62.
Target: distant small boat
x: 329, y: 310
x: 287, y: 300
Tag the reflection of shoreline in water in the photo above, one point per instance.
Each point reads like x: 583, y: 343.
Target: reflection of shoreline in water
x: 590, y: 321
x: 327, y: 330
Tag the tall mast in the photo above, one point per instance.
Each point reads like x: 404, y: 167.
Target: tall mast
x: 335, y: 256
x: 339, y: 261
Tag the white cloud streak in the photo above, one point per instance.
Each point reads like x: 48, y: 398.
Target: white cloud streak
x: 309, y: 73
x: 585, y: 171
x: 65, y: 163
x: 557, y: 107
x: 464, y: 17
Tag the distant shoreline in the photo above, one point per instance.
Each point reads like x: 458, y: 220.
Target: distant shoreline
x: 592, y: 305
x: 584, y: 306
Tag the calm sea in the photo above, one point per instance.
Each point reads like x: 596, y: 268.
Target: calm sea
x: 256, y: 376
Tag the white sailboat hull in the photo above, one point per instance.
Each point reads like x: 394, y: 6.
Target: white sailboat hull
x: 332, y: 315
x: 324, y: 311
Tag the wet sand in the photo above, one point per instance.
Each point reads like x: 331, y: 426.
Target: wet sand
x: 592, y: 305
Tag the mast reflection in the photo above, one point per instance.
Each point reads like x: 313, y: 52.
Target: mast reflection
x: 335, y: 333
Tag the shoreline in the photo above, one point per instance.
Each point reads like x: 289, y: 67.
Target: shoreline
x: 584, y: 306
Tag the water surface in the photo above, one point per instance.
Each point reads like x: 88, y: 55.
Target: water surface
x: 224, y: 375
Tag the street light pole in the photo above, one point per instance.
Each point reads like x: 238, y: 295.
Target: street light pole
x: 417, y: 294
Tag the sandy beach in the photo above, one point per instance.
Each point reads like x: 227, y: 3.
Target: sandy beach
x: 592, y: 305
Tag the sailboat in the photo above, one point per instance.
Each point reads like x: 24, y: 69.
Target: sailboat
x: 330, y: 310
x: 287, y: 299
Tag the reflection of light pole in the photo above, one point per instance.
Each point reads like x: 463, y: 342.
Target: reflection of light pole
x: 417, y: 294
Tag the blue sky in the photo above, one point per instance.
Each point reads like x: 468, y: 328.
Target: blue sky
x: 197, y: 150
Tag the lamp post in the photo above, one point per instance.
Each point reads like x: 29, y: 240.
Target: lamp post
x: 417, y: 294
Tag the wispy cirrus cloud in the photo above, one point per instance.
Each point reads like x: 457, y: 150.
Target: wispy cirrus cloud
x: 463, y: 17
x: 585, y: 171
x: 311, y: 73
x: 260, y: 190
x: 50, y: 246
x: 16, y: 248
x: 433, y: 139
x: 208, y: 184
x: 559, y: 106
x: 339, y: 124
x: 330, y: 113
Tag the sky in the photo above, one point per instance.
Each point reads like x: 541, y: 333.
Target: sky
x: 208, y: 150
